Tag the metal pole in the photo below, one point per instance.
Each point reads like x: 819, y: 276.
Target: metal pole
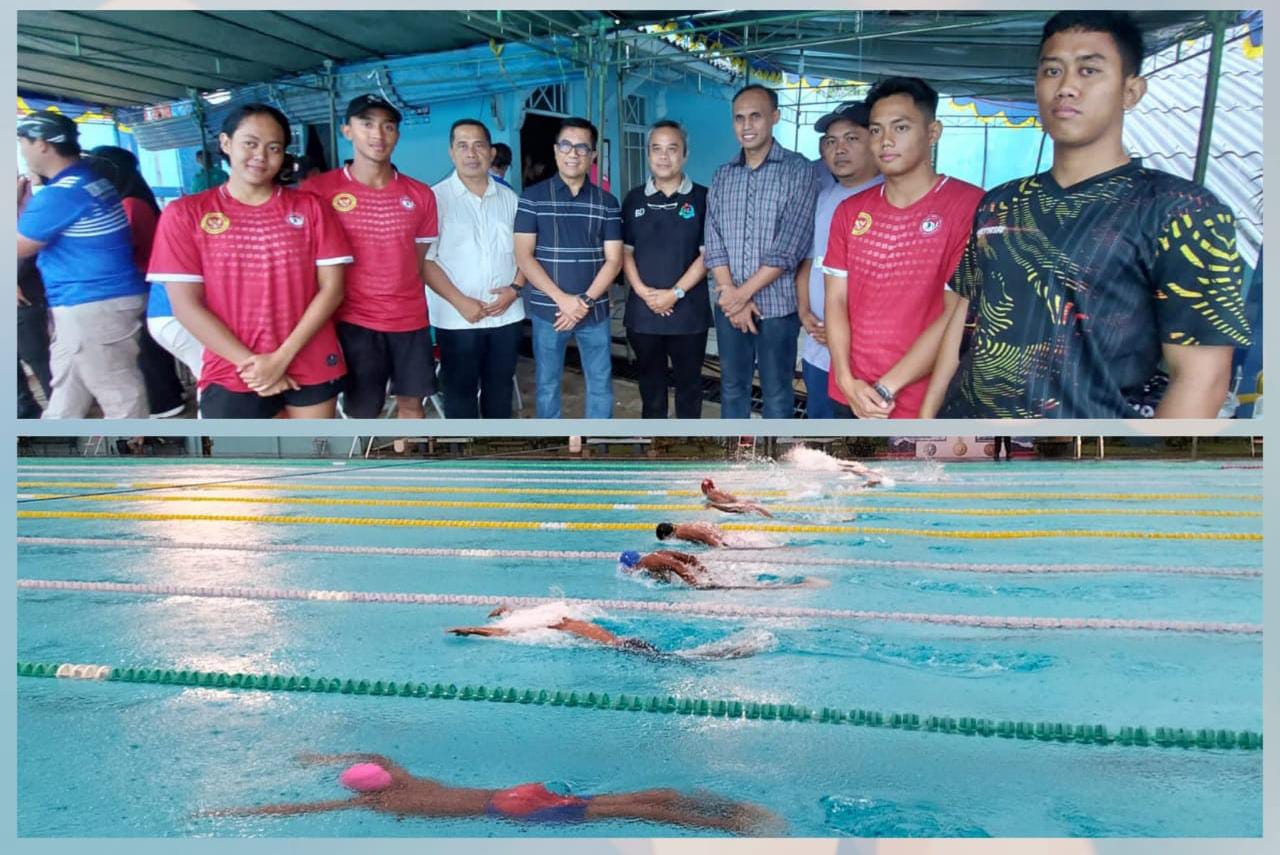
x: 1218, y: 20
x: 602, y: 55
x: 1040, y: 154
x: 986, y: 144
x: 197, y: 107
x: 333, y: 114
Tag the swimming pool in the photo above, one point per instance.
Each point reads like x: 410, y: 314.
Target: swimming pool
x: 889, y: 634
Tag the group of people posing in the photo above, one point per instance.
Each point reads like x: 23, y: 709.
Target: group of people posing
x: 905, y: 293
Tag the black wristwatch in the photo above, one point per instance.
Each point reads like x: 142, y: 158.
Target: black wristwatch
x: 588, y: 300
x: 883, y: 391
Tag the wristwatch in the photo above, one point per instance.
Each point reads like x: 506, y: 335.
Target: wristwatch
x: 515, y: 287
x: 883, y: 391
x: 679, y: 292
x: 587, y: 300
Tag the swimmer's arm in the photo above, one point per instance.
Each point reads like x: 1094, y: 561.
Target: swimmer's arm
x: 284, y: 809
x: 477, y: 630
x: 587, y: 630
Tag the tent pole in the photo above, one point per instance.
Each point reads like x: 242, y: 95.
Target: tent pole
x: 1218, y: 20
x: 333, y: 114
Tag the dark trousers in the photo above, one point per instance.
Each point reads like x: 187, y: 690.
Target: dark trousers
x: 1007, y: 442
x: 159, y: 373
x: 479, y: 361
x: 685, y: 354
x: 33, y: 349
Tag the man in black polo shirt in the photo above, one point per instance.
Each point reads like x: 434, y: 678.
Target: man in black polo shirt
x: 1086, y: 276
x: 668, y: 309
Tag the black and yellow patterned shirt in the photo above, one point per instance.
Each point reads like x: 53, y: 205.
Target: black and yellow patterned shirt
x: 1075, y: 291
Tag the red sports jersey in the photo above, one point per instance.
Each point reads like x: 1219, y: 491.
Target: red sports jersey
x: 386, y: 228
x: 898, y: 261
x: 258, y: 265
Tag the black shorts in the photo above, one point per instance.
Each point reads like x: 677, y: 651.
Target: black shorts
x: 375, y: 357
x: 219, y: 402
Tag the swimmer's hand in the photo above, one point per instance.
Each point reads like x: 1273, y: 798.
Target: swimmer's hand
x: 476, y: 630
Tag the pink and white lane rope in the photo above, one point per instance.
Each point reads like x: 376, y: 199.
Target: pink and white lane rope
x: 737, y: 556
x: 701, y: 609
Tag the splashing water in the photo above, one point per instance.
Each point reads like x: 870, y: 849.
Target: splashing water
x: 739, y: 645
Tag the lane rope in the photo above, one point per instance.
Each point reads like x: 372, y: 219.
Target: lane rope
x: 651, y: 606
x: 523, y: 525
x: 1043, y: 731
x: 638, y: 506
x: 738, y: 556
x: 901, y: 491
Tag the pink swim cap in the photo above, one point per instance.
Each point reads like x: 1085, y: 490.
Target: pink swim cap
x: 365, y: 778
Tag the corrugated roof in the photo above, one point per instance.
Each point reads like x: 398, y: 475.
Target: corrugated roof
x: 131, y: 58
x: 1164, y: 128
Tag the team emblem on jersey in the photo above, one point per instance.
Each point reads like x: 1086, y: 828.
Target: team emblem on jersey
x: 686, y: 211
x: 295, y: 220
x: 344, y: 202
x: 215, y: 223
x: 930, y: 224
x: 640, y: 211
x: 861, y: 224
x: 407, y: 203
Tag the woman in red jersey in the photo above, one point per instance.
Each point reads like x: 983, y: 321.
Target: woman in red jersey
x: 255, y: 271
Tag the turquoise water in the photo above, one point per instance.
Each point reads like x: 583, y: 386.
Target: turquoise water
x: 144, y: 759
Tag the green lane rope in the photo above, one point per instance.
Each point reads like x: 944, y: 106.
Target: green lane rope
x: 1044, y: 731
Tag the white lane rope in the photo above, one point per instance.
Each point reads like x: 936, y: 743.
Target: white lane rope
x: 737, y: 556
x: 699, y: 609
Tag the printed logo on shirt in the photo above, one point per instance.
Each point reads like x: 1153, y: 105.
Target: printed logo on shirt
x: 295, y: 220
x: 640, y: 211
x: 215, y: 223
x: 686, y: 211
x: 861, y: 224
x: 992, y: 230
x: 930, y: 224
x: 406, y: 202
x: 344, y: 202
x: 331, y: 359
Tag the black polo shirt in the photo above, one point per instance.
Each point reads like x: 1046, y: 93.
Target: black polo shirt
x: 666, y: 234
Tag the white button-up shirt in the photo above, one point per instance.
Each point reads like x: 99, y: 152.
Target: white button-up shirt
x: 476, y: 249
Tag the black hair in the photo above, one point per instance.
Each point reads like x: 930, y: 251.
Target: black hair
x: 120, y: 167
x: 70, y: 148
x: 756, y: 87
x: 922, y: 94
x: 237, y: 116
x: 474, y: 123
x: 673, y: 125
x: 665, y: 530
x: 579, y: 122
x: 501, y: 155
x: 1121, y: 26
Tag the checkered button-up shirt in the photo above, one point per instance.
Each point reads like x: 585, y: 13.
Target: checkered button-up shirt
x: 763, y: 217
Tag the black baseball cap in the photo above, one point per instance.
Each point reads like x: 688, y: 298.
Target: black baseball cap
x: 364, y: 103
x: 855, y: 111
x: 48, y: 126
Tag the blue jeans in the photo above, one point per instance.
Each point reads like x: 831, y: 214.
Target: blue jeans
x: 594, y: 345
x: 819, y: 404
x: 773, y: 349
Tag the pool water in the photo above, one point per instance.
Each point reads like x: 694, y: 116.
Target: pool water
x: 124, y: 759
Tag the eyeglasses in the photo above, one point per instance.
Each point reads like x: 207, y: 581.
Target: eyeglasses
x: 582, y: 149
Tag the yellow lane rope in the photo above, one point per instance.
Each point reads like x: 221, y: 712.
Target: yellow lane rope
x: 602, y: 506
x: 522, y: 525
x: 593, y: 491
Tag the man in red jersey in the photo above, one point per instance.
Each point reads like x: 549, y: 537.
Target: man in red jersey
x: 254, y: 271
x: 891, y: 251
x: 390, y: 220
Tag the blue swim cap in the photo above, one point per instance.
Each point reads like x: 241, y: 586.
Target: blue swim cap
x: 629, y: 558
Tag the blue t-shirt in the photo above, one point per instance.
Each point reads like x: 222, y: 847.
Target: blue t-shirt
x: 158, y: 305
x: 87, y: 254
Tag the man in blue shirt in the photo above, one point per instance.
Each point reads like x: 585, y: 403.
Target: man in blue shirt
x: 847, y: 158
x: 568, y: 242
x: 95, y: 293
x: 759, y: 228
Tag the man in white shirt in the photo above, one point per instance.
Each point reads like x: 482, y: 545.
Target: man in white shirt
x: 473, y: 284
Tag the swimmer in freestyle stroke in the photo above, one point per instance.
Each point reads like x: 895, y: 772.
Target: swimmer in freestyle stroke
x: 667, y: 565
x: 729, y: 503
x: 382, y: 785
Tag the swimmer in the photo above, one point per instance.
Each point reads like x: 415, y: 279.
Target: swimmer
x: 729, y: 503
x: 872, y: 477
x: 572, y: 626
x: 698, y: 532
x: 382, y: 785
x: 667, y: 565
